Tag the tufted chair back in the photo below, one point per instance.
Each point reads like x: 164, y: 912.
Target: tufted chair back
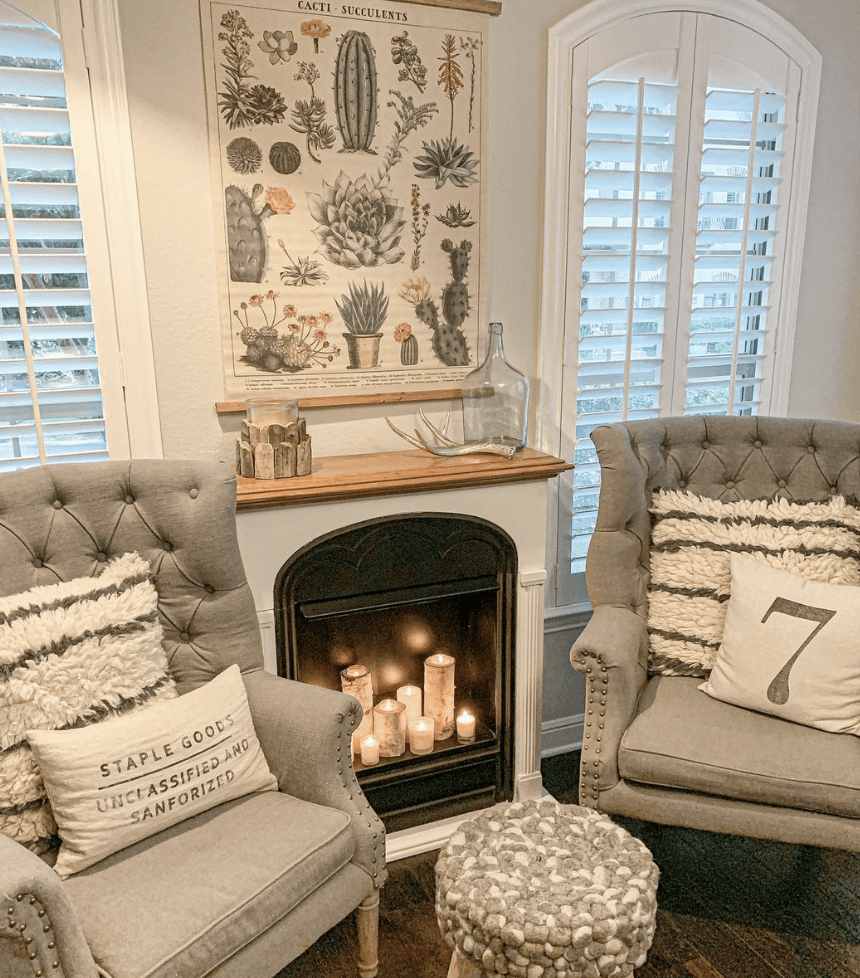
x: 726, y: 458
x: 58, y: 522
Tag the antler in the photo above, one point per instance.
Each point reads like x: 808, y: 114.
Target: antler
x: 450, y: 448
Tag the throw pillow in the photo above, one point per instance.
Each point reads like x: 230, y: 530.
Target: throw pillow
x: 692, y: 540
x: 72, y: 653
x: 113, y: 784
x: 790, y: 648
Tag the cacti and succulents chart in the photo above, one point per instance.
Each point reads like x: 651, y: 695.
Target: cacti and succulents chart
x: 348, y: 147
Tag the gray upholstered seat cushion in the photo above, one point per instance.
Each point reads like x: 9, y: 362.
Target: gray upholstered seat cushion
x: 682, y: 738
x: 205, y: 900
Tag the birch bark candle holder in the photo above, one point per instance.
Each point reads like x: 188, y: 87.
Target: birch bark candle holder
x: 389, y: 725
x: 356, y: 681
x: 439, y: 693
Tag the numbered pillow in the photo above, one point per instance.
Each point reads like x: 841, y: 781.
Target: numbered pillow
x: 791, y: 648
x: 115, y: 783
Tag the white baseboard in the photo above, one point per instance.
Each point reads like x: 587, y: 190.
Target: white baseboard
x: 562, y: 735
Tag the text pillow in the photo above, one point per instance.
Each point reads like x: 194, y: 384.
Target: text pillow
x: 692, y: 540
x: 72, y: 653
x: 115, y: 783
x: 791, y: 648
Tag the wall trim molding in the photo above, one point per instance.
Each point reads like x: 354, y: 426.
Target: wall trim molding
x: 562, y: 736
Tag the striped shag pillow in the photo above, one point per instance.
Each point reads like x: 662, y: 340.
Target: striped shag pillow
x: 71, y: 654
x: 692, y: 540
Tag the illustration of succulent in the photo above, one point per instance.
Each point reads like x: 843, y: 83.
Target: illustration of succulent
x: 420, y: 219
x: 409, y: 345
x: 302, y: 271
x: 247, y: 240
x: 469, y: 45
x: 244, y: 155
x: 450, y: 75
x: 317, y: 30
x: 449, y: 341
x: 237, y: 65
x: 456, y: 216
x: 304, y: 343
x: 309, y: 114
x: 364, y: 310
x: 266, y: 105
x: 285, y: 157
x: 355, y: 91
x: 404, y: 52
x: 445, y: 160
x: 279, y: 45
x: 409, y: 118
x: 358, y: 222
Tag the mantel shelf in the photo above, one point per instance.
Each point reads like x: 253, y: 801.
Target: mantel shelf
x: 347, y: 477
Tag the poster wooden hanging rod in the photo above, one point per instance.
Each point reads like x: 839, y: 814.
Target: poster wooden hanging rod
x: 492, y: 7
x: 341, y: 400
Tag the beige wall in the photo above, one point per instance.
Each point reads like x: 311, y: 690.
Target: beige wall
x: 162, y: 47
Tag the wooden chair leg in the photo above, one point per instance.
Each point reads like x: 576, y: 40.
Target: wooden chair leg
x: 367, y: 924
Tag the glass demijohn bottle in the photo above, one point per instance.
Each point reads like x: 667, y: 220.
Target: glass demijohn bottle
x: 495, y: 398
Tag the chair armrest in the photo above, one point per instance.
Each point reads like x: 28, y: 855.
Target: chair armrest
x: 306, y: 735
x: 49, y: 919
x: 612, y: 652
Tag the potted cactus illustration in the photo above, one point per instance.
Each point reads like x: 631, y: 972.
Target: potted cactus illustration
x: 355, y: 91
x: 408, y: 344
x: 449, y: 341
x: 363, y: 312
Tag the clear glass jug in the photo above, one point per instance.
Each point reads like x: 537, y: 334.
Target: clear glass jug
x: 495, y: 398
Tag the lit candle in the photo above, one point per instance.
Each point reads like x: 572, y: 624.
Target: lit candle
x: 465, y: 727
x: 421, y: 735
x: 356, y: 681
x: 411, y: 697
x: 389, y: 725
x: 369, y: 750
x: 439, y: 693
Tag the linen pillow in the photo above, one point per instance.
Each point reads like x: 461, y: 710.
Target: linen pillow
x: 791, y: 648
x: 72, y: 653
x: 692, y: 540
x: 113, y: 784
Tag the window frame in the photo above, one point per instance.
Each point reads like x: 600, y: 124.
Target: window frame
x: 565, y: 117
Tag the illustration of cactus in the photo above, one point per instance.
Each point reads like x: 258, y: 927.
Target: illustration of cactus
x: 355, y: 91
x: 304, y: 343
x: 309, y: 114
x: 247, y: 240
x: 409, y: 345
x: 449, y: 341
x: 446, y: 160
x: 420, y: 219
x: 364, y: 310
x: 241, y: 103
x: 470, y: 45
x: 302, y: 271
x: 450, y: 75
x: 404, y: 52
x: 317, y: 30
x: 244, y: 155
x: 456, y: 216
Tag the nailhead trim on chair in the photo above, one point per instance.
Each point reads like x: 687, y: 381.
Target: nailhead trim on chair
x: 345, y: 738
x: 40, y: 951
x: 589, y: 792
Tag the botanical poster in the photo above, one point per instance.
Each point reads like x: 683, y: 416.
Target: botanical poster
x: 348, y: 148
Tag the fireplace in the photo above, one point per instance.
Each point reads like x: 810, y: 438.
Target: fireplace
x: 386, y: 594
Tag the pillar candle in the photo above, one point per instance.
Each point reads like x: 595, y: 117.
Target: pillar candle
x: 421, y: 730
x: 465, y: 727
x: 439, y: 693
x: 369, y: 747
x: 389, y: 725
x: 411, y: 697
x: 356, y: 681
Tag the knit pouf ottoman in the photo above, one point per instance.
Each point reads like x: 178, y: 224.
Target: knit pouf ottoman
x: 542, y: 890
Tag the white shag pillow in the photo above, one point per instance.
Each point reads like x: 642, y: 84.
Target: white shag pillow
x: 790, y: 648
x: 692, y: 540
x: 116, y: 783
x: 72, y: 653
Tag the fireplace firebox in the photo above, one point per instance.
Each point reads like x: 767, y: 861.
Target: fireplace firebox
x: 386, y: 594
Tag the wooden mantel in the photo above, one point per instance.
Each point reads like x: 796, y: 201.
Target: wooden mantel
x: 346, y: 477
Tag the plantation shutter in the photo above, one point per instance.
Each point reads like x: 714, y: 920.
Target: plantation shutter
x: 51, y: 397
x: 675, y: 228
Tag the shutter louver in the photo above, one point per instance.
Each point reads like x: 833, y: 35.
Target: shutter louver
x: 51, y: 405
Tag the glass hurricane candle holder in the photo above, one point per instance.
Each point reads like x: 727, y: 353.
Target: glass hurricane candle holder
x: 369, y: 747
x: 421, y: 735
x: 465, y: 727
x: 264, y: 410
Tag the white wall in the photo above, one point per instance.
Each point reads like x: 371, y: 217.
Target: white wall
x: 162, y: 48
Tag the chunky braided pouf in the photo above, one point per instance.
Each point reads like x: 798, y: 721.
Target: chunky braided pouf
x: 542, y: 890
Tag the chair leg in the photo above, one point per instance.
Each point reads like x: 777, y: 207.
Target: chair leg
x: 367, y: 924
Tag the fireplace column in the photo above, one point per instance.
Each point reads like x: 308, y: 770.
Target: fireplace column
x: 529, y: 685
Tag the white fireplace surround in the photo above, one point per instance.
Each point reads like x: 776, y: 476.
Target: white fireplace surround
x: 269, y: 537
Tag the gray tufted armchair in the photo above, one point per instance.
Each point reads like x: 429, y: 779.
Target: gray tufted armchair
x: 246, y: 887
x: 655, y: 748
